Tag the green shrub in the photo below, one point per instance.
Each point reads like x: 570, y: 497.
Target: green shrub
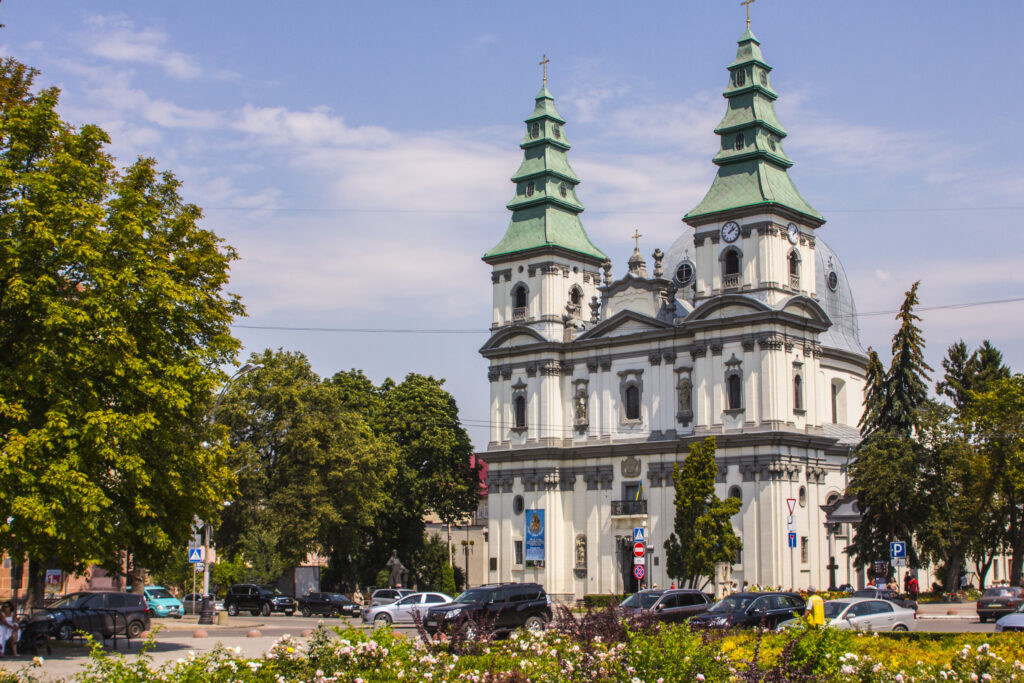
x: 599, y: 600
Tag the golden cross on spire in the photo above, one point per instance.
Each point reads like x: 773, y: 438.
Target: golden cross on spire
x: 544, y: 61
x: 636, y: 238
x: 746, y: 3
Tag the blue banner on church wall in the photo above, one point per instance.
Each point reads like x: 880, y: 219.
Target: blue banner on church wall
x: 534, y: 536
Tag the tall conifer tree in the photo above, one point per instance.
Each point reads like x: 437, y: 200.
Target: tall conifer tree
x: 906, y: 381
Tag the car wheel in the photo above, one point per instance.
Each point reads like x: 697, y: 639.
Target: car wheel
x: 534, y: 624
x: 232, y: 610
x: 306, y: 612
x: 982, y: 619
x: 899, y: 627
x: 265, y: 610
x: 65, y: 631
x: 381, y: 620
x: 135, y: 629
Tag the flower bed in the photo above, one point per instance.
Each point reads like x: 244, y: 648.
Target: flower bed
x: 599, y: 650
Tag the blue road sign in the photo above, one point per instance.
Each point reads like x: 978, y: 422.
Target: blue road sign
x: 638, y: 535
x: 638, y: 572
x: 897, y: 550
x: 195, y: 554
x: 792, y: 539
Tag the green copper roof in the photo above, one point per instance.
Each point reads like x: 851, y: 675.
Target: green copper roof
x: 752, y: 164
x: 545, y: 209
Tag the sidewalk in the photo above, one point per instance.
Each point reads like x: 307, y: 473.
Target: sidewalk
x: 190, y: 622
x: 947, y: 610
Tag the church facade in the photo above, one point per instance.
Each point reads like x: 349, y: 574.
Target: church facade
x: 744, y: 329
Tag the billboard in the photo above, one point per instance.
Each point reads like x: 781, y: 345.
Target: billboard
x: 534, y: 538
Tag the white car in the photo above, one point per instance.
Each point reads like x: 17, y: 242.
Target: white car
x: 404, y: 610
x: 865, y: 614
x: 1011, y: 622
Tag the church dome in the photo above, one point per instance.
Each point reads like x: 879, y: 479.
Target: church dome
x: 681, y: 250
x: 836, y: 297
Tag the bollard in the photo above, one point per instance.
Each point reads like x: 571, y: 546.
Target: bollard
x: 222, y: 618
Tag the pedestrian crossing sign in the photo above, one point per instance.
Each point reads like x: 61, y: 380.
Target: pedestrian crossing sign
x: 638, y: 535
x: 195, y: 554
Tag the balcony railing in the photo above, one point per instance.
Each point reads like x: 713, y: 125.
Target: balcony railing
x: 519, y: 314
x: 629, y: 507
x: 794, y: 280
x: 730, y: 281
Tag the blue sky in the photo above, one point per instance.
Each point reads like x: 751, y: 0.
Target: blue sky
x: 357, y: 155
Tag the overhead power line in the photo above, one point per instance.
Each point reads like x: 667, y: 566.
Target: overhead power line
x: 380, y: 330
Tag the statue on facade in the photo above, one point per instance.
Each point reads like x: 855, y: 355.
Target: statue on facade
x: 397, y: 570
x: 581, y: 408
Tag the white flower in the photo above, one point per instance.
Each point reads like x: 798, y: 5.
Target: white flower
x: 700, y: 677
x: 847, y: 670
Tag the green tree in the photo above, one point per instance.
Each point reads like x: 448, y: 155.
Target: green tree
x: 906, y: 383
x: 313, y: 474
x: 874, y: 394
x: 702, y: 533
x: 113, y: 324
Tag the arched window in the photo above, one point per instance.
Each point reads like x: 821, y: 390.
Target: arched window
x: 735, y: 390
x: 530, y: 188
x: 794, y: 263
x: 575, y: 296
x: 740, y: 78
x: 739, y: 140
x: 535, y: 130
x: 519, y: 297
x: 802, y: 497
x: 632, y: 402
x: 731, y: 262
x: 519, y: 404
x: 798, y: 393
x: 736, y: 493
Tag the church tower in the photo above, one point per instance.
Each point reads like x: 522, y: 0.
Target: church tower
x: 754, y: 232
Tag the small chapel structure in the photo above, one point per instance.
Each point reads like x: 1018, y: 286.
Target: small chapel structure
x: 745, y: 329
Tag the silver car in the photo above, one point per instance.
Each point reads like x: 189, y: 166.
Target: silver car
x: 1011, y: 622
x: 193, y: 603
x: 865, y: 614
x: 386, y: 596
x: 405, y: 609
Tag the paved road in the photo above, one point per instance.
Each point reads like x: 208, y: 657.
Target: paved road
x: 176, y: 638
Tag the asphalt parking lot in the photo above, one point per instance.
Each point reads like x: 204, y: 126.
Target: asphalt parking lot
x: 176, y: 637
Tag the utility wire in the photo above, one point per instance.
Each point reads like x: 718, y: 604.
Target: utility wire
x: 372, y: 330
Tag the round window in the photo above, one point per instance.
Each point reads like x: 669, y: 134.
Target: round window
x: 517, y: 505
x: 833, y: 280
x: 685, y: 273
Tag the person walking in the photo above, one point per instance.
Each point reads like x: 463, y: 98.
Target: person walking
x: 913, y: 589
x: 815, y: 614
x: 8, y: 629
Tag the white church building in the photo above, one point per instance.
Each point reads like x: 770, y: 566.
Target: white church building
x: 744, y: 329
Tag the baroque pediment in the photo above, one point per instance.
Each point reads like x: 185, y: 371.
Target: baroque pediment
x: 624, y: 323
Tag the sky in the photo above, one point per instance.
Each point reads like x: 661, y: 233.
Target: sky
x: 357, y: 155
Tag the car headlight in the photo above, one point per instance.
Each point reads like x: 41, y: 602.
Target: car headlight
x: 453, y: 613
x: 718, y: 621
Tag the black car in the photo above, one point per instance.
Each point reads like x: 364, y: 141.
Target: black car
x: 885, y: 594
x: 106, y: 613
x: 328, y: 604
x: 672, y: 604
x: 495, y: 608
x: 751, y: 609
x: 258, y: 600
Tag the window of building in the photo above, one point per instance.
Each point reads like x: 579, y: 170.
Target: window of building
x: 632, y: 402
x: 731, y: 262
x: 530, y: 188
x: 764, y: 78
x: 518, y: 504
x: 685, y: 273
x: 493, y: 564
x: 802, y: 497
x: 535, y: 130
x: 519, y: 297
x: 575, y: 296
x: 798, y: 393
x: 520, y: 412
x: 794, y: 263
x: 563, y: 189
x: 518, y: 547
x: 557, y: 130
x: 740, y: 77
x: 804, y: 549
x: 838, y: 401
x: 739, y: 140
x: 735, y: 492
x: 832, y: 280
x: 735, y: 390
x: 739, y: 556
x: 771, y: 142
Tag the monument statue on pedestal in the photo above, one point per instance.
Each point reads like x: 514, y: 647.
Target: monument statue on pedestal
x: 397, y: 571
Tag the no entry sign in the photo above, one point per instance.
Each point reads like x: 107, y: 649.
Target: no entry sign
x: 639, y: 549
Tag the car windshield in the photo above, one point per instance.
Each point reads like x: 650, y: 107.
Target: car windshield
x: 998, y: 592
x: 643, y: 600
x: 473, y: 595
x: 834, y: 609
x: 339, y: 597
x: 73, y: 600
x: 733, y: 603
x: 271, y: 589
x: 158, y: 593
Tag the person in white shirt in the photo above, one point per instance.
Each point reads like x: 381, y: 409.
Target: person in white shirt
x: 8, y: 629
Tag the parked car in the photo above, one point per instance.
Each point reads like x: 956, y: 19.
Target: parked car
x: 107, y: 613
x: 1011, y: 622
x: 258, y: 600
x: 496, y: 608
x: 673, y: 604
x: 193, y: 603
x: 885, y: 594
x: 865, y: 614
x: 404, y: 610
x: 998, y: 602
x: 162, y: 603
x: 385, y: 596
x: 328, y: 604
x: 751, y: 609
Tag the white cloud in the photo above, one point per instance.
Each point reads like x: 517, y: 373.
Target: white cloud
x: 117, y: 39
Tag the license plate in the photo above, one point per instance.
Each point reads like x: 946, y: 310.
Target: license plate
x: 995, y: 604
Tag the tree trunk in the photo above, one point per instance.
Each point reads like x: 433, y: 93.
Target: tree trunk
x: 953, y: 576
x: 36, y: 589
x: 137, y: 579
x: 982, y: 569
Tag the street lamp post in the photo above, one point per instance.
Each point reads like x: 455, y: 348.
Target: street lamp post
x: 206, y: 611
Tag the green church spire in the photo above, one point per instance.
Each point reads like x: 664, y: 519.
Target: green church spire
x: 545, y: 210
x: 751, y: 162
